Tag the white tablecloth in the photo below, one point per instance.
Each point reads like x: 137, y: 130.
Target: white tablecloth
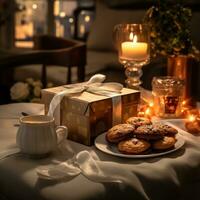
x: 173, y: 176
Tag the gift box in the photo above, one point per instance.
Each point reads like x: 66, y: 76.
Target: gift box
x: 87, y: 114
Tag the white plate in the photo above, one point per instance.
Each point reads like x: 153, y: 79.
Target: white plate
x: 103, y: 145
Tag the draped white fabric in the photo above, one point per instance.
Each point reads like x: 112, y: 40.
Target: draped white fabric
x: 91, y: 173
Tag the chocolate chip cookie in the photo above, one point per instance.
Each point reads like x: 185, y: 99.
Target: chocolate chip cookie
x: 138, y: 121
x: 119, y: 132
x: 165, y: 143
x: 166, y: 129
x: 133, y: 146
x: 148, y: 132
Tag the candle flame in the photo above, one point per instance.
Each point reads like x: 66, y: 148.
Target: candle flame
x: 133, y: 37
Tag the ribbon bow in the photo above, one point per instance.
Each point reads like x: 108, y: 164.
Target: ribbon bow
x: 95, y: 85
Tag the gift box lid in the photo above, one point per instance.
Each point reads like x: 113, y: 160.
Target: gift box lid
x: 80, y: 102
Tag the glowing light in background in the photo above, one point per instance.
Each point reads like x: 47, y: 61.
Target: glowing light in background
x: 34, y: 6
x: 62, y: 14
x: 87, y: 18
x: 71, y: 20
x: 191, y: 118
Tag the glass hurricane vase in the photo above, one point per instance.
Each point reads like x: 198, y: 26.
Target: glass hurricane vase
x: 133, y: 45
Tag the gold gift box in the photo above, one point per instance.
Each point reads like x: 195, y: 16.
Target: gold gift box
x: 87, y: 115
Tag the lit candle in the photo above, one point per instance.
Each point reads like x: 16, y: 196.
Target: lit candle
x: 134, y: 50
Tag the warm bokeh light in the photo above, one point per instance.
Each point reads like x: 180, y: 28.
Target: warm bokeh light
x: 140, y: 114
x: 62, y: 14
x: 71, y: 20
x: 184, y: 102
x: 147, y: 112
x: 87, y: 18
x: 34, y: 6
x: 191, y: 118
x: 82, y: 29
x: 151, y: 104
x: 191, y: 114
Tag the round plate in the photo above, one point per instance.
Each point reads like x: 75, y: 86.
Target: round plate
x: 103, y: 145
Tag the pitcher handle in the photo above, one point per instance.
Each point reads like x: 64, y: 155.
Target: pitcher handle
x: 62, y: 132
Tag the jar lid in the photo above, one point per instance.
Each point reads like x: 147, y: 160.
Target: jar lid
x: 167, y: 82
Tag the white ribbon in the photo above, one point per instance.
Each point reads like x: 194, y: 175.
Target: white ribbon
x: 95, y: 86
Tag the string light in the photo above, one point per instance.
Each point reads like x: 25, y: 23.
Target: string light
x: 151, y: 104
x: 147, y: 113
x: 184, y: 102
x: 188, y: 112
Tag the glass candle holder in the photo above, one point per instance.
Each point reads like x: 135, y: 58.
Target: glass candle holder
x: 133, y: 44
x: 168, y: 96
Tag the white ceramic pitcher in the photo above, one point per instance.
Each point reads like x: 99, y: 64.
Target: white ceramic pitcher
x: 38, y: 135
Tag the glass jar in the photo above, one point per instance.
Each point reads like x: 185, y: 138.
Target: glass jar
x: 168, y: 96
x: 133, y: 45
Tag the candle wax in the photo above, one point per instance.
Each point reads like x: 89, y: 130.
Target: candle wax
x: 134, y: 50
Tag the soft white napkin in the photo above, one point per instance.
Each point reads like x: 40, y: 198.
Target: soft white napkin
x: 83, y: 163
x: 89, y: 165
x: 9, y: 152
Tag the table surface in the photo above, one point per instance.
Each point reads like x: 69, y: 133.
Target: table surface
x: 173, y: 176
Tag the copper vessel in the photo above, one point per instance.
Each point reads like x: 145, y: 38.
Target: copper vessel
x: 181, y: 67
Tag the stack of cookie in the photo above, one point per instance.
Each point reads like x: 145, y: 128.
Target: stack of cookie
x: 140, y: 136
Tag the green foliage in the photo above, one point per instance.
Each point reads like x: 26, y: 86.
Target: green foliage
x: 170, y: 29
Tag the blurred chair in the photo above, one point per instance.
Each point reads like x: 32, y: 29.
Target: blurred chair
x: 48, y: 50
x: 62, y: 52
